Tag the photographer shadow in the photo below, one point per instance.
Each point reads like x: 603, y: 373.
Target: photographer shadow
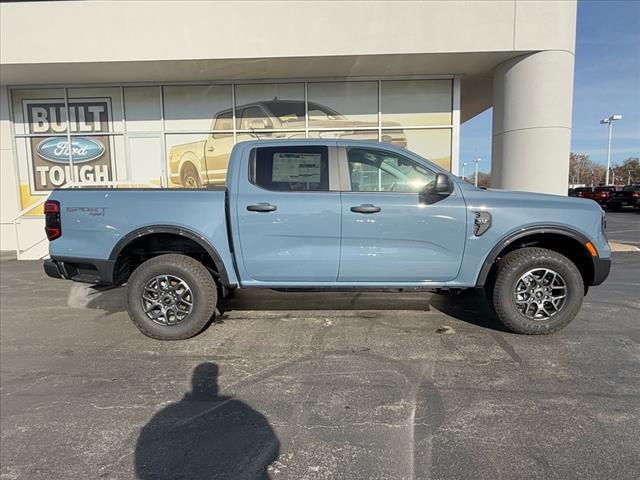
x: 206, y: 436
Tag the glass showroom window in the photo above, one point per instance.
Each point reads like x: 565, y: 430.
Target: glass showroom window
x: 66, y: 136
x: 416, y: 103
x: 340, y: 105
x: 198, y: 134
x: 182, y: 135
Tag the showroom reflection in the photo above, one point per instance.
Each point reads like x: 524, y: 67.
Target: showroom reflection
x: 181, y: 136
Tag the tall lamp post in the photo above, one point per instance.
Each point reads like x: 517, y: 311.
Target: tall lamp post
x: 609, y: 121
x: 476, y: 161
x: 464, y: 164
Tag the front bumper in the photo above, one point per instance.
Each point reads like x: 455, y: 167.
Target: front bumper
x: 601, y: 269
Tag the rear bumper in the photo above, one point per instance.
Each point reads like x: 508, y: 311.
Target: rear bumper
x: 622, y: 201
x: 601, y: 269
x: 85, y: 270
x: 51, y: 269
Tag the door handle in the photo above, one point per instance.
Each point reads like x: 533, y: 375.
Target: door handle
x: 262, y: 207
x: 366, y: 208
x: 210, y: 149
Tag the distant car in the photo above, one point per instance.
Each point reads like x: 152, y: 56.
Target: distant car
x: 204, y: 162
x: 578, y: 191
x: 600, y: 194
x: 628, y: 196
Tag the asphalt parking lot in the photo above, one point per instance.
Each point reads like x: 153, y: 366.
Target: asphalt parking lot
x: 624, y: 227
x: 297, y: 386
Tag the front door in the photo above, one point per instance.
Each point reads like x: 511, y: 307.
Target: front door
x: 388, y: 235
x: 289, y: 215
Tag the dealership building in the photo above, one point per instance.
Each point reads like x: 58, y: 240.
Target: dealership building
x: 155, y: 94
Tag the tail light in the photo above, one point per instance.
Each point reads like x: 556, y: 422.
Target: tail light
x: 52, y: 225
x: 636, y: 194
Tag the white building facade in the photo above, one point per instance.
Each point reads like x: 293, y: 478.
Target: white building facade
x: 157, y: 93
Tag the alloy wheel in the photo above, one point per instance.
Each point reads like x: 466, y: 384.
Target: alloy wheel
x: 167, y: 299
x: 540, y: 293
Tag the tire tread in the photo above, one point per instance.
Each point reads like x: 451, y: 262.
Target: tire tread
x: 202, y: 277
x: 516, y: 259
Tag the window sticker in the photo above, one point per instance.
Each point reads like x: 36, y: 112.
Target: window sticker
x: 297, y: 167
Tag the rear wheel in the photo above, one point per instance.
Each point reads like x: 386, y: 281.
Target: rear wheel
x: 536, y: 291
x: 190, y: 177
x: 614, y: 207
x: 171, y: 297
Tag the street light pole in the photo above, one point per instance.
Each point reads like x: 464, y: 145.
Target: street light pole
x: 476, y: 161
x: 464, y: 164
x: 609, y: 120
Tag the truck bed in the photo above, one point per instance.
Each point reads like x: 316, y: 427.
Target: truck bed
x: 96, y: 221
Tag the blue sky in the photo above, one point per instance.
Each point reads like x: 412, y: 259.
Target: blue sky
x: 606, y: 81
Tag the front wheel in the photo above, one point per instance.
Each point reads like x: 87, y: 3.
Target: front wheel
x: 171, y: 297
x: 536, y: 291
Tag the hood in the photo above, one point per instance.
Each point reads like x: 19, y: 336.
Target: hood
x: 525, y: 199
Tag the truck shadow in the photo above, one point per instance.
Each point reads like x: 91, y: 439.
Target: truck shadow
x: 469, y: 307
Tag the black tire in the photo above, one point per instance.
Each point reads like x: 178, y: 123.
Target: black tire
x: 614, y: 207
x: 204, y: 296
x: 516, y: 264
x: 190, y: 177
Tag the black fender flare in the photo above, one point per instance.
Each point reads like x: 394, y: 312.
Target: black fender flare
x: 508, y: 239
x: 181, y: 231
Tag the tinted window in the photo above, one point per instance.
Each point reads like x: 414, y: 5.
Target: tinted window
x: 379, y: 171
x: 224, y: 121
x: 291, y: 169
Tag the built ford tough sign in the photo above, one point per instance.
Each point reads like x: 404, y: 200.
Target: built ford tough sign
x: 303, y: 214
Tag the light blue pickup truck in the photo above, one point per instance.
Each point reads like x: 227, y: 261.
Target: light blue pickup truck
x: 327, y: 215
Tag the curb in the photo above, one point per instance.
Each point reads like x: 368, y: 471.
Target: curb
x: 623, y: 247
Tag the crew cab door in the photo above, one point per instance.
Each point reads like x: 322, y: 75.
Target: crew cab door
x: 388, y: 233
x: 288, y: 212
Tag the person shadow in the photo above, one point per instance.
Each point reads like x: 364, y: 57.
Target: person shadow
x: 206, y: 436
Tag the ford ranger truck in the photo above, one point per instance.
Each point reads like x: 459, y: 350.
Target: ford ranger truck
x: 328, y: 215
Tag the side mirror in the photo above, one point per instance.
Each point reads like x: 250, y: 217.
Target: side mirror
x: 440, y: 189
x: 443, y: 184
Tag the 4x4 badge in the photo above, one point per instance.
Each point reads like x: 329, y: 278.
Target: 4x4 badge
x: 482, y: 223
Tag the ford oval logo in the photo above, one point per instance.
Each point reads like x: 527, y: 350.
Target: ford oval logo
x: 82, y: 149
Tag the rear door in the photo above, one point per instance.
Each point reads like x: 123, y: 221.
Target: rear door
x: 388, y: 234
x: 289, y: 215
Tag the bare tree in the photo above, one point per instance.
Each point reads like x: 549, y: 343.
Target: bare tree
x: 580, y: 169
